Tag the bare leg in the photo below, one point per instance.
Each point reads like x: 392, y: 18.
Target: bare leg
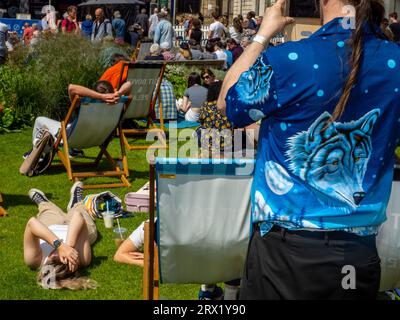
x: 78, y: 237
x: 34, y: 231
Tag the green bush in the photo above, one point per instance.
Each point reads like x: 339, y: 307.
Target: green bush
x: 35, y: 80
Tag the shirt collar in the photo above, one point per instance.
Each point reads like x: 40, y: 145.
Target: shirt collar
x: 336, y: 26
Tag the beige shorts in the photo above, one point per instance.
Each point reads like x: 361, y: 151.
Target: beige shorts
x: 50, y: 214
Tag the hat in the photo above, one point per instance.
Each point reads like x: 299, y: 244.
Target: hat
x: 165, y: 46
x: 155, y: 48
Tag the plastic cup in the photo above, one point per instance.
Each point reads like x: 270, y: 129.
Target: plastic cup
x: 119, y: 236
x: 108, y: 219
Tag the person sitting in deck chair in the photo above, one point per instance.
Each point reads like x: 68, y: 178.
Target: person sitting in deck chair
x: 104, y: 91
x: 116, y: 75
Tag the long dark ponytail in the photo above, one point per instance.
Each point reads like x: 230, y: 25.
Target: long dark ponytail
x: 369, y: 13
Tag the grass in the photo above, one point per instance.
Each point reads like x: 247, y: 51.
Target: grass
x: 115, y: 281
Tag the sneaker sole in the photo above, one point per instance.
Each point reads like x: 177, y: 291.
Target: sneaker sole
x: 69, y: 207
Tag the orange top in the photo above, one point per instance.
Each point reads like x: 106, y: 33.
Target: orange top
x: 113, y: 75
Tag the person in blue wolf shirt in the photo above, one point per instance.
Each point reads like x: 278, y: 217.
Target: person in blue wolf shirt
x: 330, y: 115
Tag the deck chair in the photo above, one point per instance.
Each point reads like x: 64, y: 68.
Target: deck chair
x: 144, y: 50
x: 388, y: 240
x: 136, y: 52
x: 146, y: 78
x: 203, y: 222
x: 3, y: 212
x: 94, y: 127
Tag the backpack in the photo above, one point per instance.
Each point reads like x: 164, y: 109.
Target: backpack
x: 41, y: 156
x: 97, y: 204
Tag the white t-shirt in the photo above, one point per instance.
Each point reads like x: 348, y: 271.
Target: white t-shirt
x: 235, y: 34
x: 217, y: 29
x: 137, y: 236
x: 61, y: 231
x: 221, y: 55
x: 153, y: 20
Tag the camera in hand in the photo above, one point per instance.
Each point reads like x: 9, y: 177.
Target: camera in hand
x: 304, y: 8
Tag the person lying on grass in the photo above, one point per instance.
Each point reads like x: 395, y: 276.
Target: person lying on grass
x: 129, y: 251
x: 59, y: 244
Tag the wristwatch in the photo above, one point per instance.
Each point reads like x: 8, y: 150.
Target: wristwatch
x: 57, y: 243
x: 261, y: 40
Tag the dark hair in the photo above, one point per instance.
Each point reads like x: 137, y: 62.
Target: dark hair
x: 237, y: 25
x: 251, y: 15
x: 219, y: 44
x: 117, y: 57
x: 103, y: 87
x: 207, y: 71
x: 231, y: 41
x: 194, y: 78
x: 393, y: 15
x: 184, y: 46
x: 369, y: 14
x: 215, y: 15
x: 210, y: 46
x: 196, y: 24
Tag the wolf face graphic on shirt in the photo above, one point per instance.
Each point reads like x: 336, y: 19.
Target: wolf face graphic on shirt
x: 332, y: 158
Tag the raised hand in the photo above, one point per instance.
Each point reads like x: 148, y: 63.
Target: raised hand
x: 274, y: 19
x: 68, y: 255
x: 111, y: 98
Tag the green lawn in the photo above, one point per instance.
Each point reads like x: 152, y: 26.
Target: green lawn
x: 19, y: 282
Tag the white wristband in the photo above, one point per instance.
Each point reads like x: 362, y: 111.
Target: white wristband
x: 261, y: 40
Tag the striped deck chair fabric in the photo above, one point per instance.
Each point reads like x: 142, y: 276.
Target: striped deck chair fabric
x: 146, y: 78
x: 203, y: 212
x: 94, y: 126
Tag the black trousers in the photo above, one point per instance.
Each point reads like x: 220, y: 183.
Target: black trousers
x: 303, y: 265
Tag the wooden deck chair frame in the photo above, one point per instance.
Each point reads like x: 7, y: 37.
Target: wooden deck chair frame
x: 135, y: 53
x: 150, y: 123
x: 63, y: 155
x: 3, y: 212
x: 150, y: 274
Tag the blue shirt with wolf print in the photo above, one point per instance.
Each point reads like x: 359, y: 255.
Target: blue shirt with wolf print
x: 312, y: 173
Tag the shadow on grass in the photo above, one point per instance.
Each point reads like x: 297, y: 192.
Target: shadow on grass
x: 96, y: 262
x: 19, y: 199
x: 58, y: 168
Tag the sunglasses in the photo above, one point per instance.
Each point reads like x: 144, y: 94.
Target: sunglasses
x: 206, y: 77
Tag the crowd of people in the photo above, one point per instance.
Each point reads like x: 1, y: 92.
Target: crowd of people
x: 224, y: 41
x: 298, y: 248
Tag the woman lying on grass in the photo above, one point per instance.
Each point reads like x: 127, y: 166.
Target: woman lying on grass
x: 58, y: 243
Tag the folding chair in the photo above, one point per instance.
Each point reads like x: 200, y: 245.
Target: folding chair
x: 388, y: 240
x: 146, y: 78
x: 94, y: 127
x: 136, y: 52
x: 144, y: 50
x: 3, y: 212
x: 203, y: 222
